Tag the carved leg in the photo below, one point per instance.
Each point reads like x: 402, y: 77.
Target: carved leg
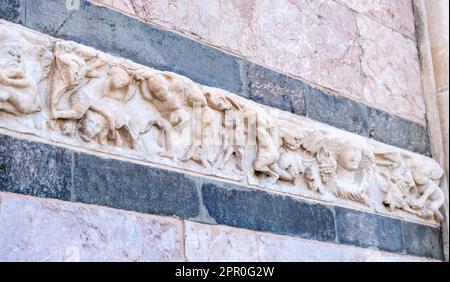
x: 365, y: 200
x: 283, y: 175
x: 102, y: 137
x: 189, y: 154
x: 426, y: 213
x: 419, y: 203
x: 404, y: 206
x: 265, y: 169
x: 438, y: 216
x: 438, y: 201
x: 105, y: 112
x: 321, y: 189
x: 239, y: 152
x: 265, y: 159
x: 226, y: 157
x: 4, y: 96
x: 7, y: 107
x: 165, y: 127
x: 76, y: 111
x: 196, y: 154
x: 23, y: 103
x: 219, y: 157
x: 200, y: 158
x: 179, y: 119
x: 68, y: 114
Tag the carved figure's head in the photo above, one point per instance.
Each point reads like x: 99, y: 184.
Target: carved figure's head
x: 158, y: 86
x: 91, y: 125
x: 194, y: 95
x: 217, y: 102
x: 350, y: 157
x: 68, y: 127
x: 120, y: 78
x: 72, y: 67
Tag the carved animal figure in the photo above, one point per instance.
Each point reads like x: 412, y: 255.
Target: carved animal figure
x: 17, y: 93
x: 397, y: 192
x: 291, y: 166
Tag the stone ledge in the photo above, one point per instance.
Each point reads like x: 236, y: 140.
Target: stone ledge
x: 130, y: 38
x: 140, y: 188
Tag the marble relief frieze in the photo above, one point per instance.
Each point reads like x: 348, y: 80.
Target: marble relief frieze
x: 71, y: 94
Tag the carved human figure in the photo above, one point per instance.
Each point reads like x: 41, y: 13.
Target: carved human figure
x: 199, y: 151
x: 94, y: 88
x: 430, y: 197
x: 290, y: 164
x: 207, y: 128
x: 275, y: 153
x: 24, y: 62
x: 352, y: 179
x: 93, y: 126
x: 74, y: 68
x: 267, y: 154
x: 170, y: 94
x: 231, y: 129
x: 233, y: 138
x: 17, y: 92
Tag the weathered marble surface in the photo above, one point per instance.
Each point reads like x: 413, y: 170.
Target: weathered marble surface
x: 390, y: 69
x: 397, y: 15
x: 72, y: 94
x: 438, y: 28
x: 329, y: 43
x: 220, y: 243
x: 35, y: 229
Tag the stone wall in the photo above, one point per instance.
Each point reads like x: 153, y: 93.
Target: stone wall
x: 36, y: 229
x: 364, y: 50
x: 343, y: 73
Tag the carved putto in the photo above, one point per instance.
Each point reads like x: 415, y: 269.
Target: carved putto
x: 409, y: 187
x: 91, y: 99
x: 89, y: 96
x: 24, y: 62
